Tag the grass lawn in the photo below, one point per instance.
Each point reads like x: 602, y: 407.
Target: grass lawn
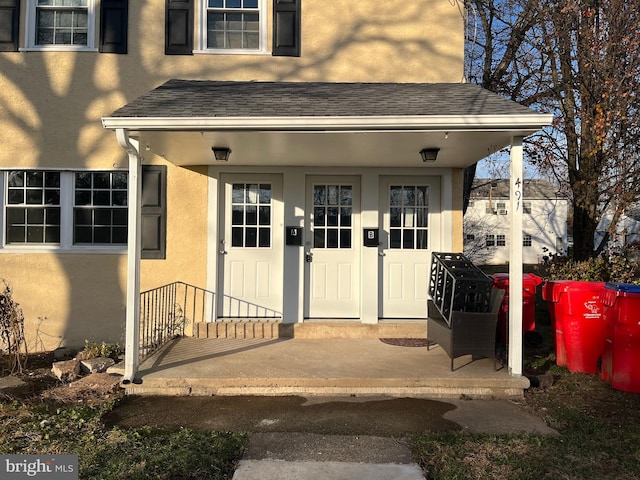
x: 599, y: 439
x: 113, y: 453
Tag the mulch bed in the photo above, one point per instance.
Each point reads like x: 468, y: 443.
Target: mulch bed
x: 407, y: 342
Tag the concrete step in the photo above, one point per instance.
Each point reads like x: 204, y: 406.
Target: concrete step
x: 274, y: 328
x: 436, y: 387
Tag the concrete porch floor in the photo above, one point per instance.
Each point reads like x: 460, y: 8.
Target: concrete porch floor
x: 322, y: 367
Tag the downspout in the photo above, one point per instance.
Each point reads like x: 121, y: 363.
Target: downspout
x: 132, y: 326
x: 515, y: 259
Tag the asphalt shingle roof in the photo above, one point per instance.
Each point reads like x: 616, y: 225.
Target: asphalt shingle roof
x: 201, y: 98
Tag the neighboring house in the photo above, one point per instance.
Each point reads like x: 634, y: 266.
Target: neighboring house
x: 487, y: 222
x: 301, y: 159
x: 627, y: 229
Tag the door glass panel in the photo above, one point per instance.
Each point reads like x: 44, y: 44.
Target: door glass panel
x: 251, y: 206
x: 408, y: 217
x: 332, y: 208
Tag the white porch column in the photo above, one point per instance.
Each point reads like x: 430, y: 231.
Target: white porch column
x: 515, y: 260
x: 132, y: 327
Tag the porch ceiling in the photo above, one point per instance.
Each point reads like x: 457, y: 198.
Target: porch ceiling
x: 324, y: 124
x: 353, y: 148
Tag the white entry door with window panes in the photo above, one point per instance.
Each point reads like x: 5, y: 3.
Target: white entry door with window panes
x: 410, y: 220
x: 251, y: 245
x: 332, y: 247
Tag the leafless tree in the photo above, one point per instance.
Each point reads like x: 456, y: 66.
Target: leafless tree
x: 579, y: 59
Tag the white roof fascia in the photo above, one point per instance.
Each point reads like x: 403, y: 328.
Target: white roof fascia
x: 532, y: 122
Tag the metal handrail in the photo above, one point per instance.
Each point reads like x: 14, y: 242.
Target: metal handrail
x: 168, y: 311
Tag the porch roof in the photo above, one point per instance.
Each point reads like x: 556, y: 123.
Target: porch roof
x: 182, y: 119
x: 208, y: 99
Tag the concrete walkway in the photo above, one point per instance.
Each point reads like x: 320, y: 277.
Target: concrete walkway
x: 328, y: 438
x: 312, y: 456
x: 278, y: 456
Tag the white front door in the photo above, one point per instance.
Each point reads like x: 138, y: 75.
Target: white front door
x: 410, y: 219
x: 332, y: 247
x: 251, y: 246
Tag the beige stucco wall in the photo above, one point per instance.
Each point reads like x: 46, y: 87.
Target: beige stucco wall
x: 52, y: 103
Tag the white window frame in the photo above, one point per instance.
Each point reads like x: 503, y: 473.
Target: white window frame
x: 30, y: 31
x: 501, y: 240
x: 67, y: 189
x: 201, y: 33
x: 527, y: 207
x: 527, y: 240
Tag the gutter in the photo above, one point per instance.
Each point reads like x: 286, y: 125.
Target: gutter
x: 531, y: 123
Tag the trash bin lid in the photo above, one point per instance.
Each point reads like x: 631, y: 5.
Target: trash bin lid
x: 500, y: 280
x: 622, y: 287
x: 529, y: 281
x: 558, y: 287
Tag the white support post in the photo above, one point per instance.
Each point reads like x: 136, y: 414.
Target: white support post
x: 132, y: 327
x: 515, y: 260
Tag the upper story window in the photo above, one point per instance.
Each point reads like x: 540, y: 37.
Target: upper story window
x: 61, y: 24
x: 526, y: 207
x: 234, y: 25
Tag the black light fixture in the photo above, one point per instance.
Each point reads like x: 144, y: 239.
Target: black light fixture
x: 221, y: 154
x: 429, y: 154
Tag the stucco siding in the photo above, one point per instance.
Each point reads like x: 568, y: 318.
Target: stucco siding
x: 67, y: 298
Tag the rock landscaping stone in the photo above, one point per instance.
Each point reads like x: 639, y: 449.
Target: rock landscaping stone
x: 67, y: 370
x: 63, y: 353
x: 96, y: 365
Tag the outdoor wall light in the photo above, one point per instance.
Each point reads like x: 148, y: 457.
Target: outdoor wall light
x: 221, y: 154
x: 429, y: 154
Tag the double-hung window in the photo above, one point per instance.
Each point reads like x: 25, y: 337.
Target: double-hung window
x: 490, y: 240
x: 234, y: 25
x: 61, y: 24
x: 100, y: 208
x: 32, y: 207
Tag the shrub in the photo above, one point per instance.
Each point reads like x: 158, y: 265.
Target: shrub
x: 93, y: 349
x: 12, y: 340
x: 617, y: 266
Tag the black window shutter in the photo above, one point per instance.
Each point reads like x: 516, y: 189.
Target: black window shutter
x: 286, y: 27
x: 178, y: 37
x: 154, y: 212
x: 114, y: 19
x: 9, y: 25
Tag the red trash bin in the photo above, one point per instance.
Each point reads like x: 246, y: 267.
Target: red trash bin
x: 621, y: 350
x: 529, y: 284
x: 576, y: 311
